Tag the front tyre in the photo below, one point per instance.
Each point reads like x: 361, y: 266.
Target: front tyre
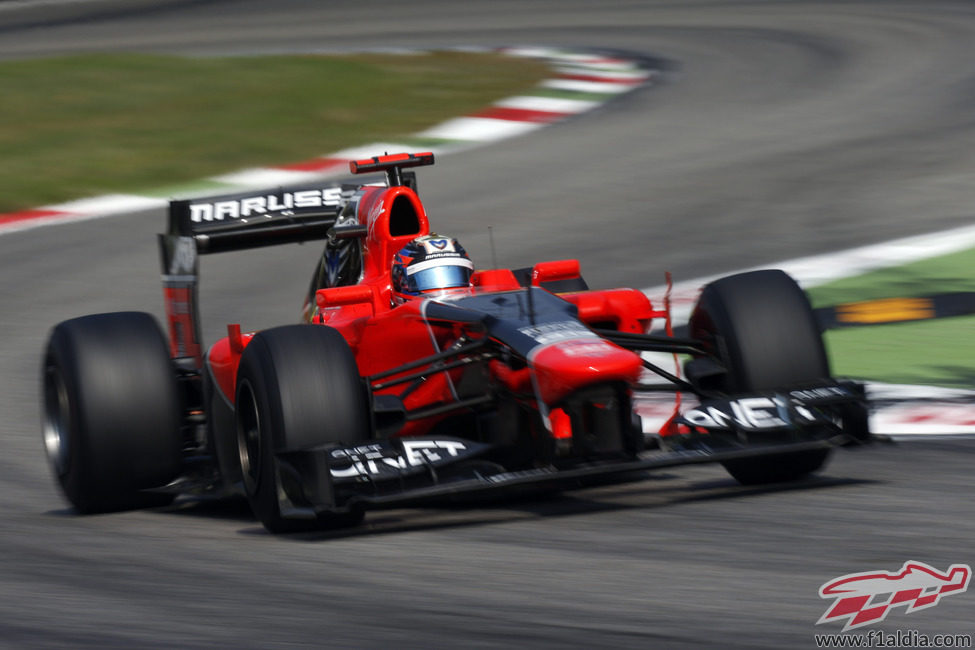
x: 760, y: 326
x: 111, y: 411
x: 298, y: 387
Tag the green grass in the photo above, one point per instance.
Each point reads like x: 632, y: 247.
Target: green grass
x: 938, y: 352
x: 86, y: 125
x: 945, y: 274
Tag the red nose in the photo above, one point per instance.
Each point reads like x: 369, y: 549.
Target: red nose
x: 565, y: 367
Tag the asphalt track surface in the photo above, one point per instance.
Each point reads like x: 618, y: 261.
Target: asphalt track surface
x: 783, y: 129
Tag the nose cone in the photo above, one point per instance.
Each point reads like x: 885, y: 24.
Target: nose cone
x: 565, y: 367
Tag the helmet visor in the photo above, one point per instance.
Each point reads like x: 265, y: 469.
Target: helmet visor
x: 440, y: 277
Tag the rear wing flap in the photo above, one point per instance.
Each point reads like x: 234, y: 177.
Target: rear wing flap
x: 245, y: 220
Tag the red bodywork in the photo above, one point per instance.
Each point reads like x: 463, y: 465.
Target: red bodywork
x: 384, y: 336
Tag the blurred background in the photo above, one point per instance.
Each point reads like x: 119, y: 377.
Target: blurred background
x: 775, y: 131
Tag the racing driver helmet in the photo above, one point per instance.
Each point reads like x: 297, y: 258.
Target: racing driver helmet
x: 429, y: 264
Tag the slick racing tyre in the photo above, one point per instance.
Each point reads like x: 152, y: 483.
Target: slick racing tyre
x: 111, y: 411
x: 298, y: 387
x: 761, y: 327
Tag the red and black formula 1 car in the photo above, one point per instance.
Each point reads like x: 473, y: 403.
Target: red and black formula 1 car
x: 511, y: 378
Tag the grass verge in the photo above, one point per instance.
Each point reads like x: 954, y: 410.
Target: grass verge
x: 86, y: 125
x: 938, y: 352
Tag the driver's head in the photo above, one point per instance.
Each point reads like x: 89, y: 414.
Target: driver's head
x: 428, y: 264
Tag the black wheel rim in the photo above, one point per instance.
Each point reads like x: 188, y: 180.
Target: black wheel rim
x: 248, y: 436
x: 57, y: 418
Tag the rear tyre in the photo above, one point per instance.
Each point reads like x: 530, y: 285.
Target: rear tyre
x: 111, y: 411
x: 761, y: 327
x: 298, y: 387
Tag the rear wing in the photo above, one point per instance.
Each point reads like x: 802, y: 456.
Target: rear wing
x: 244, y: 220
x: 248, y: 220
x: 233, y: 222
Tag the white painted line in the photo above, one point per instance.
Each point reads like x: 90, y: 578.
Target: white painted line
x: 265, y: 177
x: 588, y: 59
x: 820, y: 269
x: 570, y: 58
x: 883, y: 391
x: 532, y: 52
x: 109, y: 204
x: 479, y: 128
x: 39, y: 222
x: 550, y: 104
x: 605, y: 64
x: 579, y: 86
x: 629, y: 75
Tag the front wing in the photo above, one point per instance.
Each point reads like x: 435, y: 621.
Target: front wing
x: 380, y: 475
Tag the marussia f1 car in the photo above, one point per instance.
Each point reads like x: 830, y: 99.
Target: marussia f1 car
x: 517, y: 378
